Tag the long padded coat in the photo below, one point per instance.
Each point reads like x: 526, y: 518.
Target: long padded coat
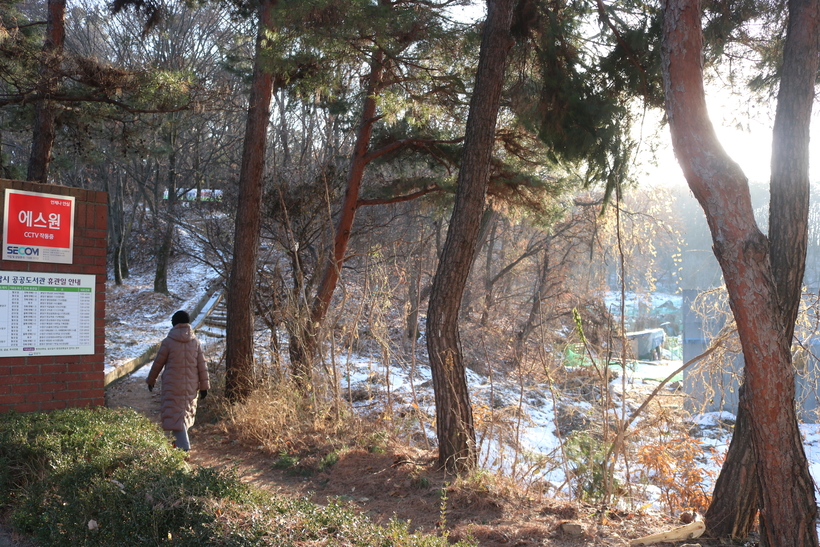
x: 184, y: 376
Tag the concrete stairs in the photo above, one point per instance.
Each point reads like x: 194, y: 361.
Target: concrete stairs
x: 212, y: 305
x: 214, y: 320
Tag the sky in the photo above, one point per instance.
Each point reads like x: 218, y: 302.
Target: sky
x: 750, y: 147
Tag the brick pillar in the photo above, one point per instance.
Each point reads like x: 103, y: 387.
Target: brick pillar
x: 44, y: 383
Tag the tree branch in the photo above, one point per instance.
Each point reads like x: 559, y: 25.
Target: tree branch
x: 399, y: 199
x: 396, y: 145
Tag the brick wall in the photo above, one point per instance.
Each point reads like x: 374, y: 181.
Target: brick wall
x: 47, y: 382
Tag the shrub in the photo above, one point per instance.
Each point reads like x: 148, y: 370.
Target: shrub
x: 329, y: 460
x: 586, y: 460
x: 674, y: 467
x: 34, y: 447
x: 285, y: 461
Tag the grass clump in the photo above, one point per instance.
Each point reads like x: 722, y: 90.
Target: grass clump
x: 285, y: 461
x: 109, y: 477
x: 329, y: 460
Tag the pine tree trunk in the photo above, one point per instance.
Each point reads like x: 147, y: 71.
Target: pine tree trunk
x: 167, y: 242
x: 787, y: 503
x: 734, y: 502
x: 42, y: 140
x: 239, y: 360
x: 305, y: 344
x: 735, y: 499
x: 454, y: 418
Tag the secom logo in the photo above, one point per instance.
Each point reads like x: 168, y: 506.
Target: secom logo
x: 28, y: 251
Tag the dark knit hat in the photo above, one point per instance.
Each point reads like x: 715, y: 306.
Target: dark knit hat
x: 180, y: 317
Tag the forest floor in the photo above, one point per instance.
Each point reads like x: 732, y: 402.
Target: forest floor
x: 385, y: 485
x: 395, y: 482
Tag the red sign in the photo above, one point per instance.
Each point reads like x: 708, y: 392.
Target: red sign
x: 38, y: 227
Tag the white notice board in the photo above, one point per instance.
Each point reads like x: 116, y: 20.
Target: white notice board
x: 46, y: 314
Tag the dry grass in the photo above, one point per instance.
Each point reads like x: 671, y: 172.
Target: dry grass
x: 277, y: 419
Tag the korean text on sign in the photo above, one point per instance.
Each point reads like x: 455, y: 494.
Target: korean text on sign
x: 40, y: 220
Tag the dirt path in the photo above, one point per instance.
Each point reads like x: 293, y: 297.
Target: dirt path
x: 404, y: 485
x: 132, y: 392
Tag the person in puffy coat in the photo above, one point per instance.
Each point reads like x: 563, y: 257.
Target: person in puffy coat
x: 180, y: 354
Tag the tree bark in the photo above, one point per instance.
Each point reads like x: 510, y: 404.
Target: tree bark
x: 125, y: 270
x: 488, y: 275
x: 787, y: 503
x: 488, y: 220
x: 454, y: 418
x: 733, y: 509
x: 734, y: 502
x: 239, y: 332
x: 167, y: 242
x: 789, y: 186
x: 42, y: 140
x: 415, y: 265
x: 116, y: 221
